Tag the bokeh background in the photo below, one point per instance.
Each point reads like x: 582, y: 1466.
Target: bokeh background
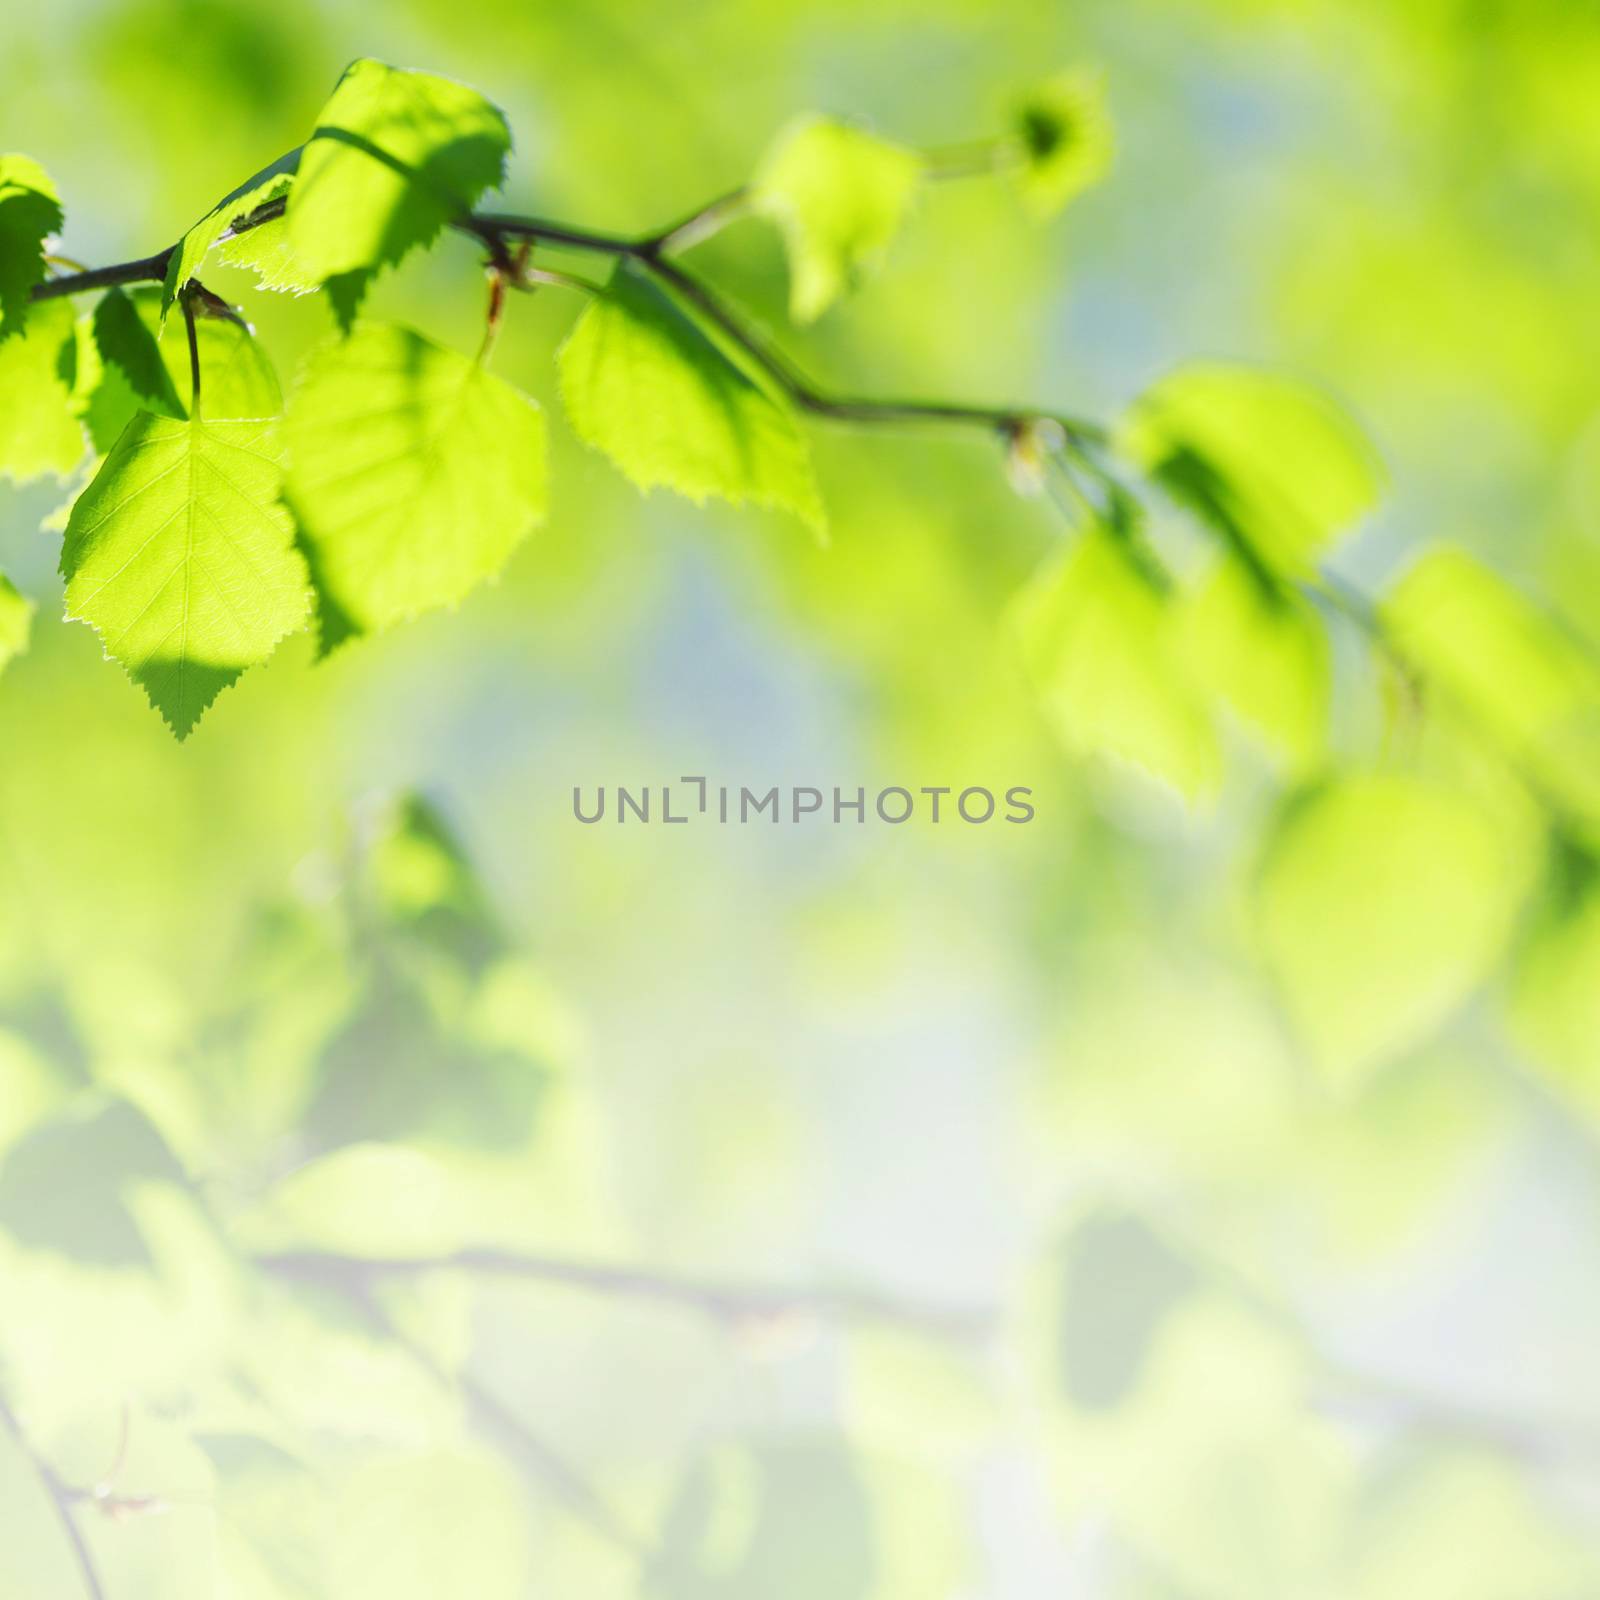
x: 984, y: 1228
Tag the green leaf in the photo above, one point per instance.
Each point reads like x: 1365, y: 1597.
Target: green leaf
x: 395, y: 156
x: 1272, y: 464
x: 30, y: 210
x: 135, y: 364
x: 644, y: 385
x: 1555, y: 991
x: 1066, y: 136
x: 1384, y: 900
x: 840, y: 195
x: 1263, y: 653
x: 180, y: 556
x: 128, y: 341
x: 1097, y: 640
x: 414, y: 474
x: 16, y: 621
x: 39, y: 432
x: 1511, y: 667
x: 266, y: 250
x: 270, y: 183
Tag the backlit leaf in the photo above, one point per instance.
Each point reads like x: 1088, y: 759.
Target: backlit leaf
x: 394, y: 156
x: 30, y: 210
x: 271, y: 183
x: 840, y: 195
x: 1097, y: 639
x: 1509, y: 666
x: 643, y: 384
x: 1264, y: 654
x: 38, y: 431
x: 1066, y: 137
x: 180, y: 556
x: 414, y: 474
x: 1278, y: 469
x: 1384, y: 901
x: 16, y: 619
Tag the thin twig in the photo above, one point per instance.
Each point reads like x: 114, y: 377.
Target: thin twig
x: 61, y: 1498
x: 188, y: 299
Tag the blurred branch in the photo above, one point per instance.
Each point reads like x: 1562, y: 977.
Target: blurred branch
x: 650, y: 253
x: 722, y: 1302
x: 62, y: 1498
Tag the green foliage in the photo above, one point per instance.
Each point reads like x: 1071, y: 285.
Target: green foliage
x: 1511, y: 669
x: 1384, y: 902
x: 1098, y: 641
x: 30, y: 211
x: 840, y: 195
x: 1065, y: 133
x: 1263, y: 653
x: 414, y: 474
x: 38, y: 432
x: 271, y: 183
x: 394, y: 156
x: 1279, y: 470
x: 180, y: 556
x: 16, y: 622
x: 644, y: 384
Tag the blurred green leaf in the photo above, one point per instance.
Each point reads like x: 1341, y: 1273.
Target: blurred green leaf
x: 393, y: 157
x: 644, y: 385
x: 840, y: 195
x: 1278, y: 469
x: 414, y: 473
x: 180, y: 557
x: 65, y: 1185
x: 35, y: 1558
x: 1513, y: 670
x: 38, y: 431
x: 1120, y: 1280
x: 16, y: 621
x: 1263, y: 653
x: 1555, y: 994
x: 1384, y: 901
x: 30, y: 210
x: 1097, y: 639
x: 1067, y: 139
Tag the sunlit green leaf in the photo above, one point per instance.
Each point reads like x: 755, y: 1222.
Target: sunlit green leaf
x: 1097, y: 639
x: 1264, y: 654
x: 270, y: 183
x: 1555, y: 998
x: 35, y: 1557
x: 30, y: 210
x: 394, y: 156
x: 644, y: 385
x: 1490, y: 653
x: 1384, y: 901
x: 840, y: 195
x: 38, y: 431
x: 16, y: 620
x: 128, y: 341
x: 1274, y: 465
x: 133, y: 364
x: 182, y: 559
x: 414, y: 473
x: 1066, y: 136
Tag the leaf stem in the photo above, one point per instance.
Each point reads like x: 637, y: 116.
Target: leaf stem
x: 188, y: 299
